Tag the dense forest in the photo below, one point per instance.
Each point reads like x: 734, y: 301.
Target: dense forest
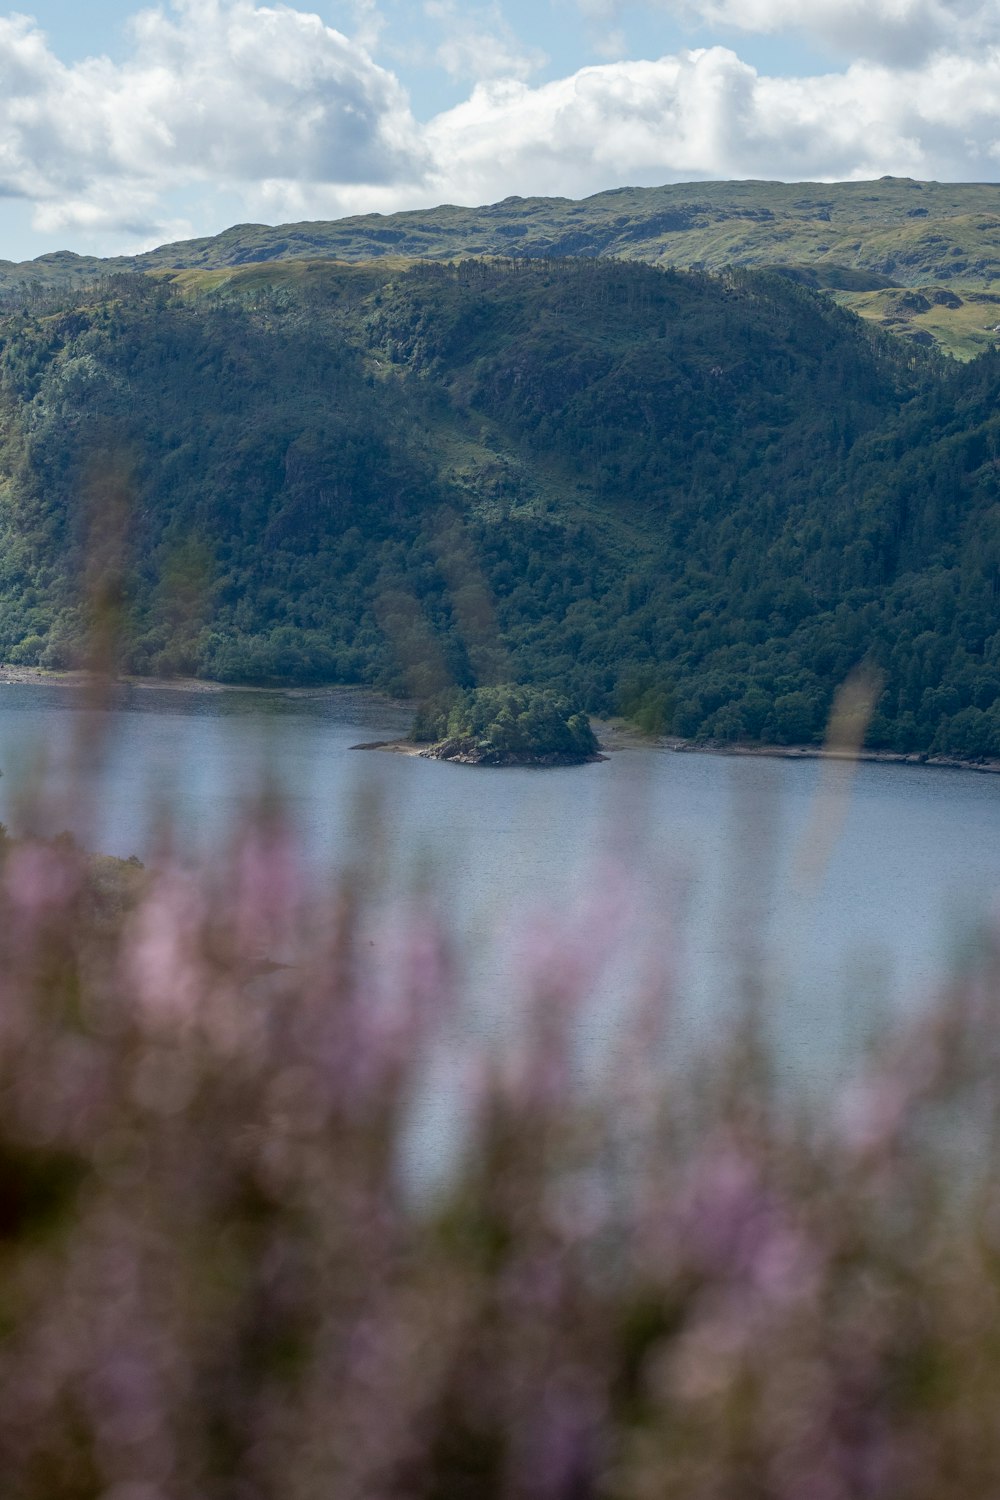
x: 701, y: 499
x: 918, y: 258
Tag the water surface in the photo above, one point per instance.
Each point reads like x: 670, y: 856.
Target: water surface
x: 846, y: 888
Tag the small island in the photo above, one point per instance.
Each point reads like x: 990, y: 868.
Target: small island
x: 509, y: 725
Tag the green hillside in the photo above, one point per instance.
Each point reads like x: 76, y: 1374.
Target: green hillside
x: 853, y: 238
x: 961, y: 321
x: 702, y: 499
x: 895, y: 230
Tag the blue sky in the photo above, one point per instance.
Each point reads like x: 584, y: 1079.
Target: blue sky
x: 123, y: 125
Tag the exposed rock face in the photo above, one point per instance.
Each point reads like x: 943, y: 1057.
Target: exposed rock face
x: 468, y: 751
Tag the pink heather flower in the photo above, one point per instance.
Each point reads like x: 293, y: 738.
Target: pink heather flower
x: 409, y: 978
x: 376, y: 1008
x: 135, y: 1489
x: 581, y: 1207
x: 872, y: 1111
x: 561, y: 958
x: 38, y: 880
x: 534, y: 1284
x: 63, y: 1103
x: 700, y: 1364
x: 265, y: 894
x: 564, y: 1444
x: 737, y: 1230
x: 162, y: 965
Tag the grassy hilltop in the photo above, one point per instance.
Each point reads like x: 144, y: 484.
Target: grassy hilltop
x: 860, y: 240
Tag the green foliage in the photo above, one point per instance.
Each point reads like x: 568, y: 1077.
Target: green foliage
x: 647, y: 700
x: 701, y: 501
x: 520, y: 723
x: 430, y: 722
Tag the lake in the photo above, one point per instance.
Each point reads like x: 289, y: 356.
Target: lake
x: 845, y: 888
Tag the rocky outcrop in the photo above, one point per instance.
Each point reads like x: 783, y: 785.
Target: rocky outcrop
x: 468, y: 751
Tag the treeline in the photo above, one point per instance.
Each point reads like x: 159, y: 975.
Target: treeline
x: 699, y: 500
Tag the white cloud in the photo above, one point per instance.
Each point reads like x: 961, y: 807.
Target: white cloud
x: 606, y: 38
x: 609, y: 44
x: 896, y: 32
x: 369, y: 23
x: 606, y: 124
x: 478, y: 43
x: 215, y: 91
x: 705, y: 113
x: 227, y: 108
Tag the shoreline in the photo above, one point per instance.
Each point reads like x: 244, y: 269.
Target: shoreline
x: 81, y: 678
x: 424, y: 750
x: 393, y: 747
x: 989, y: 765
x: 613, y: 734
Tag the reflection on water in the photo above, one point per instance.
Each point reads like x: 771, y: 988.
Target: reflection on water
x: 753, y: 895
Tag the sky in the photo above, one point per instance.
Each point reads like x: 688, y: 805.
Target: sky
x: 124, y: 126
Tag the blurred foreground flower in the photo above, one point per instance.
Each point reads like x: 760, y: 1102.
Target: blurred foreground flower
x: 218, y: 1281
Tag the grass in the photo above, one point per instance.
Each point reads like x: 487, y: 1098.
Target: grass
x: 962, y: 320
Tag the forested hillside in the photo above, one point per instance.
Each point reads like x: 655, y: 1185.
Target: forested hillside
x: 702, y: 499
x: 919, y: 258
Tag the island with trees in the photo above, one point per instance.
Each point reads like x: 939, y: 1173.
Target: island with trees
x: 509, y: 725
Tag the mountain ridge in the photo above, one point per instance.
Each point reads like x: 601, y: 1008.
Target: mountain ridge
x: 652, y: 217
x: 857, y: 240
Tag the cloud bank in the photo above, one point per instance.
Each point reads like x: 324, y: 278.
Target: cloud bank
x: 897, y: 32
x: 707, y: 114
x: 216, y: 92
x: 294, y: 119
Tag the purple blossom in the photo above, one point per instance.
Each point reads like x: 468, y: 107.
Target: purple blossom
x: 628, y: 1283
x: 163, y: 965
x: 736, y: 1229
